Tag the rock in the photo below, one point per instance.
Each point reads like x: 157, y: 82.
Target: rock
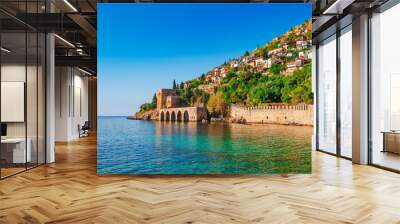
x: 146, y: 115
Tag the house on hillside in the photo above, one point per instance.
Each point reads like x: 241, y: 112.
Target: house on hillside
x: 234, y: 64
x: 260, y: 62
x: 268, y: 63
x: 252, y: 63
x: 301, y: 44
x: 223, y: 71
x: 277, y: 52
x: 290, y: 67
x: 209, y: 76
x: 291, y: 64
x: 215, y: 75
x: 247, y: 59
x: 273, y: 60
x: 308, y: 55
x: 216, y: 71
x: 300, y: 60
x: 294, y: 65
x: 216, y: 79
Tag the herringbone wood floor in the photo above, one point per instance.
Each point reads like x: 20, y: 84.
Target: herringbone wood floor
x: 69, y: 191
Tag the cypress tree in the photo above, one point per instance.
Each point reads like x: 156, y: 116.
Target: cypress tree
x: 174, y: 84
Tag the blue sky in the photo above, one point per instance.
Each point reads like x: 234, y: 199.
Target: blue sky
x: 144, y: 47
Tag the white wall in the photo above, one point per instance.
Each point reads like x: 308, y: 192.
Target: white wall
x: 17, y: 72
x: 33, y: 127
x: 14, y: 72
x: 80, y: 104
x: 11, y: 72
x: 62, y: 83
x: 71, y: 102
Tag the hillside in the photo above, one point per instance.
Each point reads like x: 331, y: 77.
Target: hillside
x: 278, y: 72
x: 282, y: 55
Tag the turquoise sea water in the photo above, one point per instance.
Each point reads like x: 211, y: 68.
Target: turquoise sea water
x: 153, y: 147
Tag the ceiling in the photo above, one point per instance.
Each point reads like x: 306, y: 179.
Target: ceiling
x: 73, y: 21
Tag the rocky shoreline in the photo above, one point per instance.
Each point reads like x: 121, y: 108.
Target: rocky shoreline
x: 146, y: 115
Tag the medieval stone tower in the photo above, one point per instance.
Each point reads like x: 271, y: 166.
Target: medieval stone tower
x: 167, y: 98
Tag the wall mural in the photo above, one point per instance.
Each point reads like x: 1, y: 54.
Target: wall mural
x: 204, y: 88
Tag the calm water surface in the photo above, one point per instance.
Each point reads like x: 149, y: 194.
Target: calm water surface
x: 152, y: 147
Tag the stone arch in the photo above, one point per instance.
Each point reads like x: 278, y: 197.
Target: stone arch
x: 179, y: 116
x: 167, y: 117
x: 185, y: 116
x: 162, y: 116
x: 173, y: 116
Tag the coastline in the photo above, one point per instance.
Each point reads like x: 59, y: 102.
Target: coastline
x: 291, y: 115
x: 229, y: 121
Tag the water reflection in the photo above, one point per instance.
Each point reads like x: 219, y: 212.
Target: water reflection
x: 143, y: 147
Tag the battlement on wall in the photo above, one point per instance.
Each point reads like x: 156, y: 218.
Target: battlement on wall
x: 280, y: 107
x: 278, y: 114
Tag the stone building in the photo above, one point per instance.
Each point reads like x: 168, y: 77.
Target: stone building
x: 173, y: 101
x: 171, y: 108
x: 163, y: 94
x: 185, y: 114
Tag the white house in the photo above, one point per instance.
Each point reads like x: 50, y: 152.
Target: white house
x: 260, y: 62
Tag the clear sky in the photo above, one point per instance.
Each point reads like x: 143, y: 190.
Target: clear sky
x: 144, y: 47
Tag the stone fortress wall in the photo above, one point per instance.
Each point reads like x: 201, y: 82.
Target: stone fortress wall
x: 294, y: 115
